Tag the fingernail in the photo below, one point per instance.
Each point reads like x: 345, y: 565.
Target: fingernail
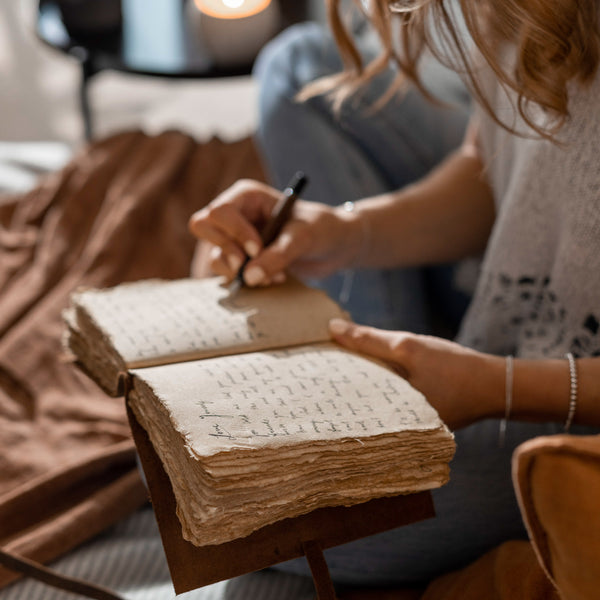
x: 254, y: 275
x: 278, y: 277
x: 338, y: 326
x: 234, y: 262
x: 252, y: 248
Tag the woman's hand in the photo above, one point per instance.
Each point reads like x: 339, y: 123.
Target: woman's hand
x: 316, y: 241
x: 461, y: 384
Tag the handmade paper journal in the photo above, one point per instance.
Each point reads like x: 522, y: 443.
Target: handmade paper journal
x: 255, y: 414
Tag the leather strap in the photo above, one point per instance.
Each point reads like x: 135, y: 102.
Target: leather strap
x: 37, y: 571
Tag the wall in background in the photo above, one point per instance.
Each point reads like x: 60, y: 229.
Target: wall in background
x: 38, y: 93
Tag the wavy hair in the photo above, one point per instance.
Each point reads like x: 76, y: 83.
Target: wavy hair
x: 556, y: 42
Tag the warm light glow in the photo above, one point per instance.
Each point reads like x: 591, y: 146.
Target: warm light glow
x: 231, y: 9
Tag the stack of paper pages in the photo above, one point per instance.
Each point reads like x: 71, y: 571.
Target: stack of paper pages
x: 259, y: 435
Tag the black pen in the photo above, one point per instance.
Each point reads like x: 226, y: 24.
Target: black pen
x: 280, y: 215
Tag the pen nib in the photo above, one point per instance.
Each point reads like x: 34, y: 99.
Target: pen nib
x: 235, y: 286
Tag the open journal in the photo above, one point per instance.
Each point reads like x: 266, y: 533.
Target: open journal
x: 255, y: 414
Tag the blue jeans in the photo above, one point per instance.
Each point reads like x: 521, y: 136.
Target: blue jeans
x: 361, y: 153
x: 358, y: 154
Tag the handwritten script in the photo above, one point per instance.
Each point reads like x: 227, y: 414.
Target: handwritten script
x: 284, y: 396
x: 154, y: 322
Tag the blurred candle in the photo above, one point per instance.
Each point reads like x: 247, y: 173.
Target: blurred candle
x: 234, y: 30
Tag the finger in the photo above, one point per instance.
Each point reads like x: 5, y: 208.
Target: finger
x: 379, y: 343
x: 230, y: 252
x: 284, y: 250
x: 225, y: 226
x: 253, y: 199
x: 243, y: 209
x: 271, y: 263
x: 256, y: 276
x: 219, y: 264
x: 236, y: 226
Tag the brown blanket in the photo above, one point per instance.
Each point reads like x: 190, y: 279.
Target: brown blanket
x: 117, y: 212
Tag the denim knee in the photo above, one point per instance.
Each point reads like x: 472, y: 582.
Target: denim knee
x: 299, y: 55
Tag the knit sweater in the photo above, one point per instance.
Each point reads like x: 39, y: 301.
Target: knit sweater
x: 538, y: 294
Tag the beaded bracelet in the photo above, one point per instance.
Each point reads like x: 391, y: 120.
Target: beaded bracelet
x: 573, y: 391
x: 508, y: 391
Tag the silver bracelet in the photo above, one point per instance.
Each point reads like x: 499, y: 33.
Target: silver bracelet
x: 508, y: 392
x: 348, y: 278
x: 573, y: 391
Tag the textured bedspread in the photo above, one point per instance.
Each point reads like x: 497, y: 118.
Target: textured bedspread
x: 128, y: 559
x: 117, y: 212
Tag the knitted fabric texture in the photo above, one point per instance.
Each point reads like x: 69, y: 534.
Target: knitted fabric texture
x: 538, y: 294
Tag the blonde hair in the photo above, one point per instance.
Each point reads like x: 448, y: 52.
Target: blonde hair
x: 556, y: 42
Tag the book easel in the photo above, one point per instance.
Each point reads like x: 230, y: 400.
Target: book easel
x: 192, y: 566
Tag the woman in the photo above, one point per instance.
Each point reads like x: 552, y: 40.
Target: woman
x: 524, y: 189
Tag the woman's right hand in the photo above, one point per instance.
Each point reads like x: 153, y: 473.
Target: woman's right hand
x: 315, y: 242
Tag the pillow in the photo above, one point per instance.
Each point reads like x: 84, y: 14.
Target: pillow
x: 509, y: 572
x: 557, y: 480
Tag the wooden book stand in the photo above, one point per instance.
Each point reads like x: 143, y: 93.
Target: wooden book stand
x: 308, y: 535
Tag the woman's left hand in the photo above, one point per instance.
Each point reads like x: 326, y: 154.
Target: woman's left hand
x: 463, y: 385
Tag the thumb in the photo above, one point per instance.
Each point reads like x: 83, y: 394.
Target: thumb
x: 379, y: 343
x: 285, y: 249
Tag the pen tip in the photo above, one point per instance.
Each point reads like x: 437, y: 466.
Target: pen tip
x: 235, y: 286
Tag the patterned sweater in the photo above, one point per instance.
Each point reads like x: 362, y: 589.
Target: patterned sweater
x: 538, y: 294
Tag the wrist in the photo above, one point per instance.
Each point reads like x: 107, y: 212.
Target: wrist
x: 489, y: 376
x: 542, y: 390
x: 356, y: 235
